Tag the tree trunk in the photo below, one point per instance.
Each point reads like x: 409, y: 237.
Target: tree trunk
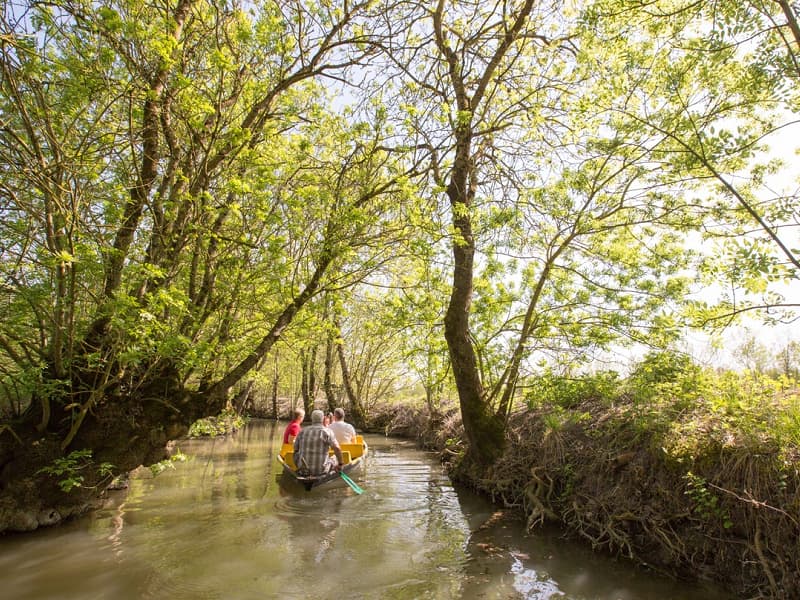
x: 312, y: 376
x: 485, y: 431
x: 242, y: 397
x: 275, y: 396
x: 356, y: 410
x: 304, y: 380
x: 327, y: 381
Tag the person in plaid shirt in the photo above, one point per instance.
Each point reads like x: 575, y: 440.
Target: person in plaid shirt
x: 311, y: 447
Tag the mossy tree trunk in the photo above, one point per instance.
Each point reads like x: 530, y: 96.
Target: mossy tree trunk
x: 483, y: 428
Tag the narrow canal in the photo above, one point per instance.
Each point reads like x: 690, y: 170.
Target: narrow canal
x: 219, y: 525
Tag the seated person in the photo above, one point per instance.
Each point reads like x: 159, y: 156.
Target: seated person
x: 345, y: 433
x: 293, y: 428
x: 311, y: 448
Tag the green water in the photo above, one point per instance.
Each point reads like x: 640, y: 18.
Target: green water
x: 220, y: 525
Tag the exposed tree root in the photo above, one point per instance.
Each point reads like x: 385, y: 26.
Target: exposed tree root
x: 759, y: 551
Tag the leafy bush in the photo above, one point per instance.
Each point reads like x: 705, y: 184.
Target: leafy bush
x: 555, y: 390
x: 683, y: 407
x: 69, y: 468
x: 168, y: 463
x: 706, y: 504
x: 224, y: 423
x: 667, y: 375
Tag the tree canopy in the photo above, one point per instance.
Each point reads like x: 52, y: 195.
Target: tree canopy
x: 518, y: 182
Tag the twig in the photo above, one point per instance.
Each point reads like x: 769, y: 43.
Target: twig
x: 754, y: 502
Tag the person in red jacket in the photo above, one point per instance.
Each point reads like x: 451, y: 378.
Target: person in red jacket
x: 293, y: 428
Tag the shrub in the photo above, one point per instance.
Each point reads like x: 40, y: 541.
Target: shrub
x: 555, y: 390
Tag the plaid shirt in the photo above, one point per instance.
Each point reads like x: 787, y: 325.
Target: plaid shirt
x: 311, y: 449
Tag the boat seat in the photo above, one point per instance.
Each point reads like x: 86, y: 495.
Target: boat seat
x: 347, y: 456
x: 355, y: 450
x: 289, y: 459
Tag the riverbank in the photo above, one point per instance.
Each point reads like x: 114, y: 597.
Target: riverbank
x: 687, y: 492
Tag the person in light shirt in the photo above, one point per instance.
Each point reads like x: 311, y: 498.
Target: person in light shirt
x: 345, y: 433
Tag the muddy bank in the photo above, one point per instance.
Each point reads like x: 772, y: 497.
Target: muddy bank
x: 695, y: 504
x: 43, y: 484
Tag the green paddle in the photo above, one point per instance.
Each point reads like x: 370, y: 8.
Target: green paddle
x: 351, y: 483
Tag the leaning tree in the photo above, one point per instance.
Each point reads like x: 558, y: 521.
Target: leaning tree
x: 174, y: 192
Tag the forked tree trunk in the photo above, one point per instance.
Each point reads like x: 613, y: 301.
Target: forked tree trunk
x: 484, y: 430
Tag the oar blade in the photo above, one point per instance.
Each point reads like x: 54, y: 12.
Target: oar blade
x: 351, y: 483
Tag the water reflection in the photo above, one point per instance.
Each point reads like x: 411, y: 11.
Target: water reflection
x: 220, y: 525
x: 504, y: 562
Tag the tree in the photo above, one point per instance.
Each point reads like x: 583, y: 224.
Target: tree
x: 788, y: 360
x: 558, y: 240
x: 753, y: 355
x: 416, y: 311
x: 369, y: 354
x: 470, y: 54
x: 724, y: 87
x: 177, y: 194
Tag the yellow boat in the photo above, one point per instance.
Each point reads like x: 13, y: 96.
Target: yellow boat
x: 353, y: 456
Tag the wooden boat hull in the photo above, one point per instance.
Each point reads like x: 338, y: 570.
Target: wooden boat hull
x: 354, y: 456
x: 309, y: 482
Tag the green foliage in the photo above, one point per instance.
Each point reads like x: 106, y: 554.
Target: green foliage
x: 706, y: 503
x: 687, y: 411
x: 168, y: 463
x: 245, y: 198
x: 581, y: 205
x: 560, y: 418
x: 758, y: 407
x: 68, y: 469
x: 667, y: 375
x: 568, y: 392
x: 223, y: 424
x: 17, y: 388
